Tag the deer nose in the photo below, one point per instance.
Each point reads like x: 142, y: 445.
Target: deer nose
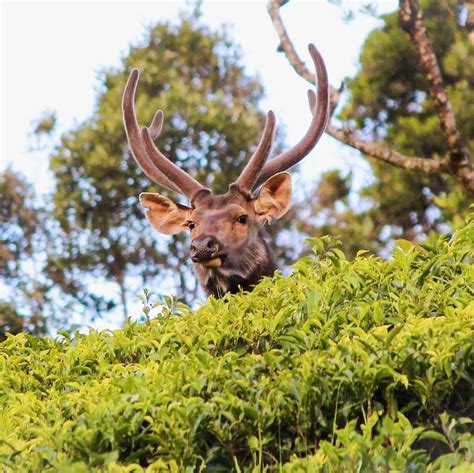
x: 203, y: 248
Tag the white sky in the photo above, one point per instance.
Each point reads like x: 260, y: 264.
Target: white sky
x: 51, y: 54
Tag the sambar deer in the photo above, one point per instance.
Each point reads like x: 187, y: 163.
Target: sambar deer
x: 228, y: 247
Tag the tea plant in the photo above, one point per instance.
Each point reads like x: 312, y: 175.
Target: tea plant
x: 363, y: 365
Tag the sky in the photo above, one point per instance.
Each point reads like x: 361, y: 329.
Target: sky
x: 52, y: 53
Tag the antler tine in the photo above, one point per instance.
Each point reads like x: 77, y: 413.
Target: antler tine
x: 289, y: 158
x: 252, y: 170
x: 186, y: 183
x: 134, y: 136
x: 312, y: 101
x: 156, y: 125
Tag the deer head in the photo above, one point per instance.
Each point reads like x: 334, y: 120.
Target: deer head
x: 228, y: 247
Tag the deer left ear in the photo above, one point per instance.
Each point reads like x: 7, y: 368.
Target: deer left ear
x: 274, y: 198
x: 165, y: 215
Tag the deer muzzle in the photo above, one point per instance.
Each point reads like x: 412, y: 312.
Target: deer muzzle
x: 205, y: 251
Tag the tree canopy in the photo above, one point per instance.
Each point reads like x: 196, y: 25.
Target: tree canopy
x: 212, y: 123
x: 22, y: 236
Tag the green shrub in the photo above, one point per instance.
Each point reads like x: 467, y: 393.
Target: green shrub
x: 363, y: 365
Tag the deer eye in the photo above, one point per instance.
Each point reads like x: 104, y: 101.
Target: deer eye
x: 242, y: 219
x: 191, y: 225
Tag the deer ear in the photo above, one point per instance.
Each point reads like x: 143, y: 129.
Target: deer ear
x: 164, y: 215
x: 274, y: 198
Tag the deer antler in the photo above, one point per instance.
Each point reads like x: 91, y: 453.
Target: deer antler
x: 252, y: 170
x: 152, y: 162
x: 186, y: 183
x: 164, y: 172
x: 156, y: 125
x: 289, y: 158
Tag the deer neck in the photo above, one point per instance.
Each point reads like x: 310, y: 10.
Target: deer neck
x: 257, y: 261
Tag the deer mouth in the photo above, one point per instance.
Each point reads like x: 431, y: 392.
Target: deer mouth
x: 210, y: 263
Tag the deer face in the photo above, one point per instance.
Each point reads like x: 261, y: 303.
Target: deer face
x: 228, y: 249
x: 224, y: 229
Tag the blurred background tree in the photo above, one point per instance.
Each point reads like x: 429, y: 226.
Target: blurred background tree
x: 33, y: 296
x: 22, y: 240
x: 388, y: 108
x: 212, y: 124
x: 389, y: 100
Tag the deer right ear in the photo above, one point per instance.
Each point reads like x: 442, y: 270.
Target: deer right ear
x: 274, y: 198
x: 165, y: 215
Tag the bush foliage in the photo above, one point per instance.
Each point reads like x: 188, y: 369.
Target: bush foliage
x: 363, y: 365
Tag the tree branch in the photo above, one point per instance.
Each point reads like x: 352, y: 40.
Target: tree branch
x: 347, y: 136
x: 286, y: 46
x: 388, y: 155
x: 411, y: 21
x: 458, y: 164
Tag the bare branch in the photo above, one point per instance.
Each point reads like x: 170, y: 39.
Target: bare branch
x: 347, y: 136
x: 287, y: 47
x: 411, y: 20
x: 388, y: 155
x: 377, y: 150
